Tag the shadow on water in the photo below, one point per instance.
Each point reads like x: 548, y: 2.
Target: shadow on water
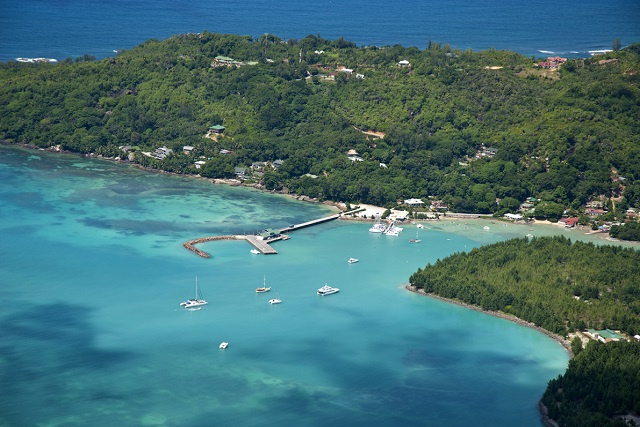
x: 47, y: 351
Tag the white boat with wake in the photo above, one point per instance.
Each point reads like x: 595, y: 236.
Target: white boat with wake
x: 327, y: 290
x: 352, y: 260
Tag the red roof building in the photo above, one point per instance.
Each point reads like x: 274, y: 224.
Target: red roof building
x: 569, y: 222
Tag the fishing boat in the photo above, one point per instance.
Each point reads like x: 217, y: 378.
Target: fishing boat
x: 196, y: 302
x: 263, y: 288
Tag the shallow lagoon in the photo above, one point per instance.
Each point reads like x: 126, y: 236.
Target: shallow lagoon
x: 94, y: 269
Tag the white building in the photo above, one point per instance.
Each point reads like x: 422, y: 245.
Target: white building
x: 413, y: 202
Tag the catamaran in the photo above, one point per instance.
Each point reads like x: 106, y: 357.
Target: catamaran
x: 194, y: 302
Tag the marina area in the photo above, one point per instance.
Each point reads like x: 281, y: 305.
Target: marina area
x: 261, y: 242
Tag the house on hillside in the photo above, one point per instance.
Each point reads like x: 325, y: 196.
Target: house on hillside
x: 216, y: 130
x: 353, y: 156
x: 604, y: 335
x: 240, y: 171
x: 258, y: 166
x: 552, y: 63
x: 162, y: 152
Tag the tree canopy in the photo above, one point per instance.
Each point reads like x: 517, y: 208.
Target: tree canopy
x: 562, y: 287
x: 554, y: 135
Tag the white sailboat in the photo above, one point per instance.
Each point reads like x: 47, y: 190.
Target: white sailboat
x: 416, y: 240
x: 198, y: 301
x: 264, y: 287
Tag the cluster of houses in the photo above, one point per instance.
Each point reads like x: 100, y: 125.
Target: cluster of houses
x: 488, y: 152
x: 607, y: 335
x: 161, y: 153
x: 256, y: 170
x: 225, y: 61
x: 552, y: 63
x: 331, y: 75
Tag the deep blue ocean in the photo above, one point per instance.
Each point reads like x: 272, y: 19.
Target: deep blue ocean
x: 69, y: 28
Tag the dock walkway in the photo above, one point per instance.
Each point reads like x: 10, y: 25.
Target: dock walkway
x: 260, y: 244
x: 295, y: 227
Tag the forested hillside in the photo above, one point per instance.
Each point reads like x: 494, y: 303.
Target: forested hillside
x: 550, y: 281
x: 557, y: 135
x: 601, y: 384
x: 561, y: 287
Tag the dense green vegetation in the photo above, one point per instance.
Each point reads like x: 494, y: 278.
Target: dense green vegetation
x: 601, y: 382
x: 629, y: 231
x: 558, y: 135
x: 540, y: 280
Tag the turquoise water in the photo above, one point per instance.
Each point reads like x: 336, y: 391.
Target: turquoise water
x: 93, y: 270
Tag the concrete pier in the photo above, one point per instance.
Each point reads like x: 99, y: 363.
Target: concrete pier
x: 260, y: 244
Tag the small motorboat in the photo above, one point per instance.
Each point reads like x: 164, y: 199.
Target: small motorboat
x: 223, y: 345
x: 275, y: 301
x: 352, y: 260
x: 255, y: 251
